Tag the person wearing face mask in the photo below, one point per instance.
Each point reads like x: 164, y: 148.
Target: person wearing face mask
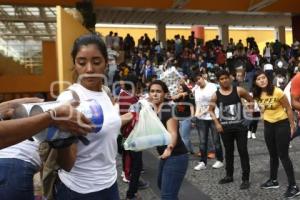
x: 89, y: 171
x: 279, y: 128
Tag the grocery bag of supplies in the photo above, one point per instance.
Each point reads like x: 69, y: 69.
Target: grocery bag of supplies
x: 148, y: 132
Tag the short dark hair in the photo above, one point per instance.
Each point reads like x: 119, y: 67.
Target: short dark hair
x: 90, y: 38
x: 130, y: 81
x: 196, y: 75
x: 222, y: 72
x: 161, y: 83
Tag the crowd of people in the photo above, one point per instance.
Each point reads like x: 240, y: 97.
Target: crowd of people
x: 222, y: 93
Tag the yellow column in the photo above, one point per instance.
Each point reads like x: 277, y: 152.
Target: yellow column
x: 68, y: 29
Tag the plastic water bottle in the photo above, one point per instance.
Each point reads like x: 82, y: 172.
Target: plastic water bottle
x: 90, y: 108
x: 149, y: 141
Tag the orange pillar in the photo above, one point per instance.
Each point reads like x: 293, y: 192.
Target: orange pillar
x: 199, y: 31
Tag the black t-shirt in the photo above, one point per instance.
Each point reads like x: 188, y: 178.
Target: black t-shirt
x: 165, y: 115
x: 183, y: 106
x: 231, y: 110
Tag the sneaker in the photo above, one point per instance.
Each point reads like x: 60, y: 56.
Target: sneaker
x: 217, y: 165
x: 270, y: 184
x: 253, y: 136
x: 200, y: 166
x: 125, y: 180
x: 226, y: 179
x: 245, y: 185
x: 143, y: 184
x: 291, y: 192
x: 249, y: 134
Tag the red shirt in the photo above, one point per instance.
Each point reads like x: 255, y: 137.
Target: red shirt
x: 125, y: 101
x: 295, y: 87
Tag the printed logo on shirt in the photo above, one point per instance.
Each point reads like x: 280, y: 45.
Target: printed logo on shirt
x: 231, y: 114
x: 267, y: 103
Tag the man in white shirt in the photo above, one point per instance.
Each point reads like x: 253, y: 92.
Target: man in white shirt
x: 203, y: 92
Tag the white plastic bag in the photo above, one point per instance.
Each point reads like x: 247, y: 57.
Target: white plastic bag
x: 148, y: 132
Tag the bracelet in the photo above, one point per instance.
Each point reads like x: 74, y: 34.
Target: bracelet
x: 52, y: 113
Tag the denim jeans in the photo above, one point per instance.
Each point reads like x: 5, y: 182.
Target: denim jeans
x: 171, y: 173
x: 64, y: 193
x: 249, y: 79
x: 277, y: 137
x: 185, y: 131
x: 16, y: 179
x: 204, y: 127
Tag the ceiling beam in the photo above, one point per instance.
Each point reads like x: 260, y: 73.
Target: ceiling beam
x: 189, y: 17
x: 27, y: 34
x: 20, y: 12
x: 27, y: 19
x: 260, y: 5
x: 43, y: 16
x: 11, y: 27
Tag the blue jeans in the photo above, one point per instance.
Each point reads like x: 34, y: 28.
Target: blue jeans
x: 171, y: 173
x: 64, y: 193
x: 185, y: 130
x: 204, y: 127
x: 16, y: 179
x: 249, y: 79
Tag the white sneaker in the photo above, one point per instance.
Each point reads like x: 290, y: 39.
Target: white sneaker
x: 253, y: 136
x: 125, y: 180
x: 217, y: 165
x: 249, y: 134
x: 200, y: 166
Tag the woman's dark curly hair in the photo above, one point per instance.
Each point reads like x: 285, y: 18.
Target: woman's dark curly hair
x: 161, y: 83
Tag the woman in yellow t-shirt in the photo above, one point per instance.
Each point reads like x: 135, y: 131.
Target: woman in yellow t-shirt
x: 278, y: 128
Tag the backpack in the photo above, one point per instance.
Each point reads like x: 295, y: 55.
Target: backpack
x: 50, y: 168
